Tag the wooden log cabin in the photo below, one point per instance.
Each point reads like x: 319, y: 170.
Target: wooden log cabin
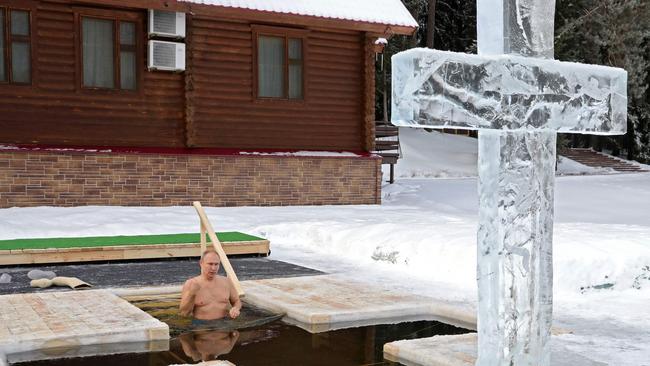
x: 162, y: 102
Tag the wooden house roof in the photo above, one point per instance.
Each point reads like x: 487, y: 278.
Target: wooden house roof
x: 381, y: 17
x: 387, y: 12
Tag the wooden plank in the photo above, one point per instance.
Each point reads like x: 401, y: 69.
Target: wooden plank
x: 122, y: 252
x: 217, y: 246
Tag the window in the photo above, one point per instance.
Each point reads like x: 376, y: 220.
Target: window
x: 109, y: 53
x: 280, y: 59
x: 15, y: 44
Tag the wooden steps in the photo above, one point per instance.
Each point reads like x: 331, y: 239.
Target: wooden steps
x: 597, y: 159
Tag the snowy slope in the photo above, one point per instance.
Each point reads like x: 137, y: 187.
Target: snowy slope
x: 437, y: 155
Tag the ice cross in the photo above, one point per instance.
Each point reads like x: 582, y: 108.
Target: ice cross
x: 518, y: 98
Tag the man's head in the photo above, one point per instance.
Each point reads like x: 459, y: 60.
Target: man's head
x: 209, y: 263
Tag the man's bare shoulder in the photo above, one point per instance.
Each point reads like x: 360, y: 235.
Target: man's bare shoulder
x: 196, y: 279
x: 219, y: 280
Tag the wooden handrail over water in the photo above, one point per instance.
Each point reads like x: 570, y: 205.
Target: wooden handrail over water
x: 207, y: 227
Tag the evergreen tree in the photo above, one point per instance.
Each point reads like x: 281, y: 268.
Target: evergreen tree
x: 455, y: 30
x: 606, y: 32
x: 613, y: 33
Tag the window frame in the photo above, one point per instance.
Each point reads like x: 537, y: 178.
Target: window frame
x: 286, y: 33
x: 9, y: 38
x: 116, y: 17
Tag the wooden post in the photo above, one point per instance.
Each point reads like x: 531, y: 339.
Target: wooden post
x: 203, y: 241
x: 205, y: 223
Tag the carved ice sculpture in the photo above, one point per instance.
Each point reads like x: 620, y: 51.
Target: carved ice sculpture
x: 518, y: 98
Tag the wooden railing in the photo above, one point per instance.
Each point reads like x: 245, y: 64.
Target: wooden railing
x: 387, y: 145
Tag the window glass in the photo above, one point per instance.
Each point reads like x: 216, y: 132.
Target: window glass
x: 3, y: 76
x: 270, y: 59
x: 97, y: 49
x: 20, y: 62
x: 127, y: 56
x: 295, y: 49
x: 127, y: 33
x: 19, y: 23
x: 127, y: 70
x: 295, y: 68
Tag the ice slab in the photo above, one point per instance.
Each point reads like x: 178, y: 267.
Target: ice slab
x: 330, y: 302
x: 439, y: 89
x: 71, y: 320
x: 91, y: 350
x: 460, y: 350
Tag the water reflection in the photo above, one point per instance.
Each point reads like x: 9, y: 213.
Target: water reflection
x: 206, y: 345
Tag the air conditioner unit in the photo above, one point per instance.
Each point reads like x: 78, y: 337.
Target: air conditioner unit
x: 168, y: 56
x: 166, y: 24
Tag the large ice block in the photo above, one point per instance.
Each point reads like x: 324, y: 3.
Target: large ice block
x: 520, y: 27
x: 515, y: 267
x: 439, y: 89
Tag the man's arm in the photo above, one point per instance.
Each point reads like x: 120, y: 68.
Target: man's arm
x: 234, y: 301
x: 188, y: 295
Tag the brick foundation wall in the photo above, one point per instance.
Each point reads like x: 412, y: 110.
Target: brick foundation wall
x: 46, y: 178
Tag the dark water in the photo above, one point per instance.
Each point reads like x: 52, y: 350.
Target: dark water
x: 258, y: 342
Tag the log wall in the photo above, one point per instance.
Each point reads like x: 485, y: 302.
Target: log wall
x: 53, y: 110
x: 210, y: 105
x: 227, y: 115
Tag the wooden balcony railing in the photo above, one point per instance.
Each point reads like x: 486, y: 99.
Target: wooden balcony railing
x: 387, y: 145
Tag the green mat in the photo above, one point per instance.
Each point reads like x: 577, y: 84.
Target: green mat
x: 105, y: 241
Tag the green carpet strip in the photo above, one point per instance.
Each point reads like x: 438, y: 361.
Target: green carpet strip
x: 105, y: 241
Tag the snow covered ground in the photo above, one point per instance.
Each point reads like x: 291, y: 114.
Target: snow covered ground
x: 436, y: 155
x: 422, y: 239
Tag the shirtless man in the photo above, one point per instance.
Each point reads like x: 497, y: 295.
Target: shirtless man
x: 209, y: 296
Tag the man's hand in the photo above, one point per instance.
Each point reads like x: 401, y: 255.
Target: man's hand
x: 234, y: 312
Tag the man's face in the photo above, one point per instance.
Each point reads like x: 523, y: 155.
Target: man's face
x: 210, y: 265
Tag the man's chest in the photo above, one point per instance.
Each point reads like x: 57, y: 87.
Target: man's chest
x: 211, y: 294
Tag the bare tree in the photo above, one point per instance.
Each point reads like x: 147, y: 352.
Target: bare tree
x: 431, y: 22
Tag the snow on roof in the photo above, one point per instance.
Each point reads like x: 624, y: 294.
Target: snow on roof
x: 390, y: 12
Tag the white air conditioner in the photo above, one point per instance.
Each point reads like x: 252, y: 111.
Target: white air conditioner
x: 166, y: 56
x: 166, y: 24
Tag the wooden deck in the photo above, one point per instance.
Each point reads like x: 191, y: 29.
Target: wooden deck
x: 125, y: 252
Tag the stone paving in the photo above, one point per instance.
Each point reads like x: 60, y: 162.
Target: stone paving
x: 71, y: 319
